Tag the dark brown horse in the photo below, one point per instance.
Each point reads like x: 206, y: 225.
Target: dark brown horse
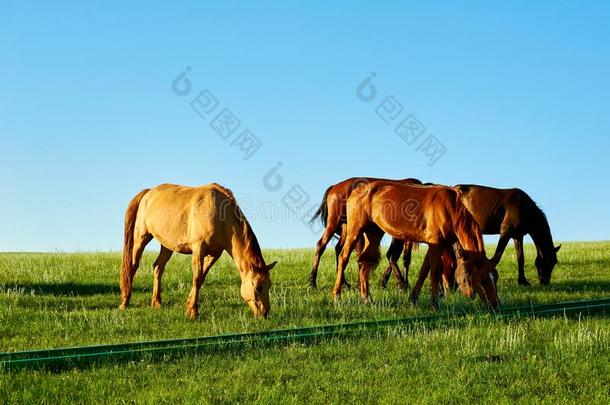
x: 332, y: 214
x: 427, y: 214
x: 511, y: 213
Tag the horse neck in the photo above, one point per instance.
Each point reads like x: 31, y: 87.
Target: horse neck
x: 541, y: 235
x: 245, y: 249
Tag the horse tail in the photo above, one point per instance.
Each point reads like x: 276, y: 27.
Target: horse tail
x: 130, y: 224
x: 322, y: 211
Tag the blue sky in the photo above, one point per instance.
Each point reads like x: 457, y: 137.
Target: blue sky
x: 517, y: 94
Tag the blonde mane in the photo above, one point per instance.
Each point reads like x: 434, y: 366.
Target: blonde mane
x: 252, y: 246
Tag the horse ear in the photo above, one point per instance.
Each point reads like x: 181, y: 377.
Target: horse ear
x: 272, y: 265
x: 557, y: 248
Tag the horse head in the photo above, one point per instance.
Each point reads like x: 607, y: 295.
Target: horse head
x: 255, y: 286
x: 475, y: 274
x: 545, y: 262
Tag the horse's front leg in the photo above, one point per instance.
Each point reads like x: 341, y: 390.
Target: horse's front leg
x: 423, y: 274
x: 502, y: 242
x: 201, y: 267
x: 522, y: 280
x: 365, y: 271
x: 367, y: 260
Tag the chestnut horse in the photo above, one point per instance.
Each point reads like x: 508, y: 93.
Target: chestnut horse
x: 426, y: 214
x: 332, y: 214
x: 203, y: 221
x: 511, y: 213
x: 449, y: 261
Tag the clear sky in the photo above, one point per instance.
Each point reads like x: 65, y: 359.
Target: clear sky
x: 518, y: 95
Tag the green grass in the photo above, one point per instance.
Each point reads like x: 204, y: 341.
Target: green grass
x: 53, y: 300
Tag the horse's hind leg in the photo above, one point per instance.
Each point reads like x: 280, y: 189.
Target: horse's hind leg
x: 201, y: 266
x: 140, y: 240
x: 393, y: 255
x: 449, y: 264
x: 406, y: 260
x: 339, y: 247
x: 320, y: 248
x: 158, y: 268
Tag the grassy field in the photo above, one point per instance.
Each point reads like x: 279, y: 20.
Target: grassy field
x: 52, y: 300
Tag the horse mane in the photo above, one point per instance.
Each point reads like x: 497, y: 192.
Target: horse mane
x: 252, y: 248
x: 539, y: 228
x: 465, y: 223
x: 532, y: 211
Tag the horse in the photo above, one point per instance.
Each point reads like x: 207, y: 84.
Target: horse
x: 426, y: 214
x: 512, y: 213
x: 332, y: 214
x: 202, y: 221
x: 449, y: 264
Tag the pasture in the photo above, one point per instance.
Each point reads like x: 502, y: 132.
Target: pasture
x: 68, y: 299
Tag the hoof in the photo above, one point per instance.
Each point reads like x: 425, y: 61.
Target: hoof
x: 192, y: 313
x: 524, y: 282
x: 413, y: 299
x: 156, y: 304
x: 336, y: 297
x: 312, y: 281
x: 122, y: 306
x: 403, y: 287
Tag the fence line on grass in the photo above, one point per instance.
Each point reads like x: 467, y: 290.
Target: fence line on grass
x: 74, y: 356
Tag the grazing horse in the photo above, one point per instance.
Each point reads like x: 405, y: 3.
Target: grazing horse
x: 332, y: 214
x: 426, y: 214
x: 449, y: 260
x: 512, y: 214
x: 202, y: 221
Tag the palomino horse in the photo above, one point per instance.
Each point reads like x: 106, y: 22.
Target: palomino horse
x: 203, y: 221
x: 332, y: 214
x: 512, y: 214
x: 425, y: 214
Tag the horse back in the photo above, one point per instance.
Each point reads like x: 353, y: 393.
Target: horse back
x: 495, y: 210
x: 407, y: 211
x: 180, y: 216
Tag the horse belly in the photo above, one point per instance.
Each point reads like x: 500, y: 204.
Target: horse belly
x: 399, y: 230
x: 170, y: 230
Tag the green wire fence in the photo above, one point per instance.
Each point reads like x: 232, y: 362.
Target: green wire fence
x: 74, y: 356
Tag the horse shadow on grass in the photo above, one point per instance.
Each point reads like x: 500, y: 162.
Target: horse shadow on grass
x: 581, y: 286
x: 65, y: 289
